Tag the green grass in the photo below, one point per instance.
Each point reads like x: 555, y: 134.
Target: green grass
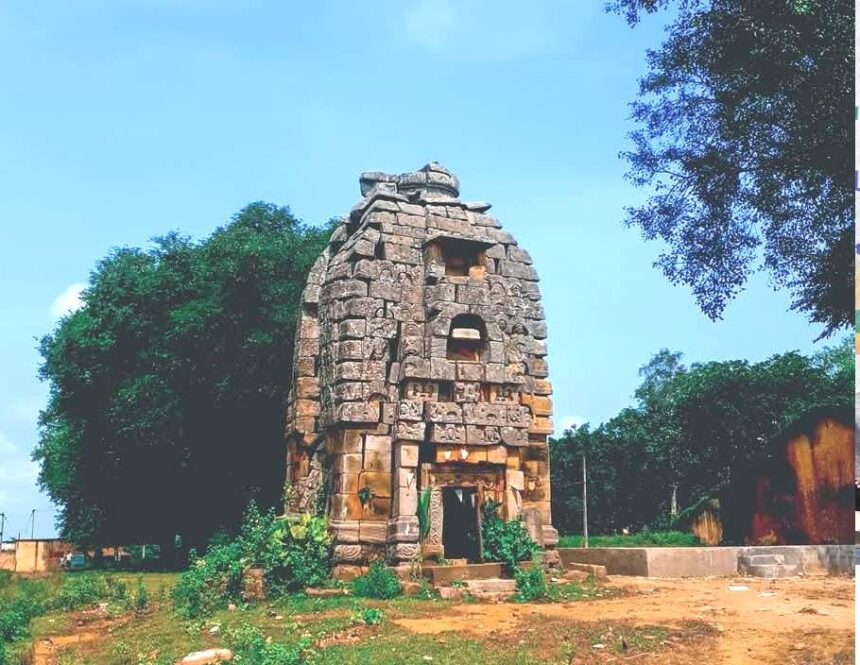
x: 645, y: 539
x: 335, y: 630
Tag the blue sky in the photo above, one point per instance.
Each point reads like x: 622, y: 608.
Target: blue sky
x: 121, y: 121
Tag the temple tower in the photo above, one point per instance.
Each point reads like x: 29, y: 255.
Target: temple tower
x: 420, y: 375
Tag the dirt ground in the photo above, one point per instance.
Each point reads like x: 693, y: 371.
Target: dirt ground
x: 697, y: 621
x: 802, y: 620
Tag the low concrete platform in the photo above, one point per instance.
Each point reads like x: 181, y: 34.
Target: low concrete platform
x: 710, y: 561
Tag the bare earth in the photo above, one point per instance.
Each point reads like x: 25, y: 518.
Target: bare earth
x: 804, y: 620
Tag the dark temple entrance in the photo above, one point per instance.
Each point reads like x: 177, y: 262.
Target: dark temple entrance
x: 460, y: 525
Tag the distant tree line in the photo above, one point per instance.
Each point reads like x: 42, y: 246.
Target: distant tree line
x: 690, y: 432
x: 167, y: 389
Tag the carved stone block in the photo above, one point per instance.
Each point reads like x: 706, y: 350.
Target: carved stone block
x: 352, y: 328
x: 515, y: 436
x: 409, y: 431
x: 483, y: 435
x: 382, y: 327
x: 348, y: 552
x: 443, y: 412
x: 485, y: 413
x: 414, y: 367
x: 467, y: 391
x: 410, y: 410
x: 357, y: 412
x: 422, y: 390
x: 517, y: 416
x: 447, y: 433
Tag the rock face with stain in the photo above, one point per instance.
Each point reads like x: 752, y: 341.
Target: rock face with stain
x: 803, y: 493
x: 420, y: 364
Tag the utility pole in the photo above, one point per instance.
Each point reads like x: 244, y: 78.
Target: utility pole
x: 32, y: 524
x: 584, y: 504
x: 2, y: 525
x: 673, y: 505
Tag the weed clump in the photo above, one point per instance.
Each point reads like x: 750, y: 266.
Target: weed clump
x: 379, y: 582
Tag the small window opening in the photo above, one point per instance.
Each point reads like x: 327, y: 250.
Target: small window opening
x: 462, y: 258
x: 467, y: 338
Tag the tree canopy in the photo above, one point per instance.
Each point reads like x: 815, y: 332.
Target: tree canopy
x: 744, y: 140
x: 167, y: 389
x: 692, y: 428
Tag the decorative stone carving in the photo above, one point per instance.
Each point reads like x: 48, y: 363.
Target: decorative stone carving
x: 422, y: 390
x: 467, y: 391
x: 406, y: 431
x: 409, y: 409
x: 347, y: 552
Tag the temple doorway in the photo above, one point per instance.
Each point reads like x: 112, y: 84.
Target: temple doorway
x: 460, y: 531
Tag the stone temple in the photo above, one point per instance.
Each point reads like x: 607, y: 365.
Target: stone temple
x: 420, y: 376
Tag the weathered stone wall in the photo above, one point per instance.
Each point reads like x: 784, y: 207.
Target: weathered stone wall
x: 421, y: 352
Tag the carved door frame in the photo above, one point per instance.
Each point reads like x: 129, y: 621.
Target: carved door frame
x: 488, y: 481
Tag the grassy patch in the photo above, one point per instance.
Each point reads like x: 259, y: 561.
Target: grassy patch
x: 646, y: 539
x: 340, y: 629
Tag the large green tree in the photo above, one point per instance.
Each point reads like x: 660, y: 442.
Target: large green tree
x: 167, y: 388
x: 745, y: 141
x: 692, y: 428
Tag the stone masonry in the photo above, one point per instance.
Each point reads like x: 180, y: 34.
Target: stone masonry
x: 420, y: 364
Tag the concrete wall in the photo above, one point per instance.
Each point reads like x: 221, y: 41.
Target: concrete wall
x: 35, y: 556
x: 699, y: 562
x: 618, y: 560
x: 708, y: 561
x: 7, y: 560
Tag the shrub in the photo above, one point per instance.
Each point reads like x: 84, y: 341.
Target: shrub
x: 531, y: 583
x: 141, y: 597
x: 426, y: 591
x: 369, y: 616
x: 250, y: 646
x: 28, y: 599
x: 209, y: 582
x: 293, y: 555
x: 80, y: 590
x: 379, y: 582
x: 305, y: 553
x: 507, y: 541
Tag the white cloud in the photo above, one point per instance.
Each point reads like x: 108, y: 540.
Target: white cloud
x: 481, y: 29
x: 68, y: 301
x: 569, y: 422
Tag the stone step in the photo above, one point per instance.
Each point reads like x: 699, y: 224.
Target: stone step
x: 445, y: 575
x: 484, y: 589
x: 592, y: 569
x: 496, y: 585
x: 772, y: 571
